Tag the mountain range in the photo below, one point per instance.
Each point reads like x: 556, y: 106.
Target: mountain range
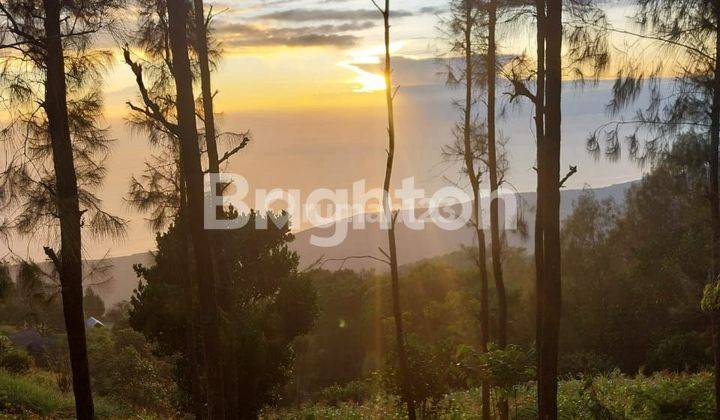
x: 118, y: 280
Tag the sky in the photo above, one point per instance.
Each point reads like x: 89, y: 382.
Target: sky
x: 303, y: 77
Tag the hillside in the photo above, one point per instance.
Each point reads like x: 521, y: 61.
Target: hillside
x: 119, y: 281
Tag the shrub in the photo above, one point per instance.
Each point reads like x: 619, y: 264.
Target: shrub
x: 13, y: 359
x: 124, y: 368
x: 356, y: 391
x: 680, y: 353
x: 585, y: 363
x: 16, y: 361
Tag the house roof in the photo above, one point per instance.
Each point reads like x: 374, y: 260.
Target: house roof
x: 93, y: 322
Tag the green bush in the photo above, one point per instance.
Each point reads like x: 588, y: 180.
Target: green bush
x: 611, y: 396
x: 35, y: 396
x: 123, y: 367
x: 13, y: 359
x: 356, y: 391
x: 586, y: 363
x: 16, y: 361
x: 680, y: 353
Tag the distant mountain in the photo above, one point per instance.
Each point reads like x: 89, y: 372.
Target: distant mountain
x: 415, y: 245
x: 118, y: 281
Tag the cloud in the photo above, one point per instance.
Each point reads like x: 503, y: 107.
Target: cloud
x: 411, y: 72
x: 308, y: 15
x: 431, y: 10
x: 237, y: 35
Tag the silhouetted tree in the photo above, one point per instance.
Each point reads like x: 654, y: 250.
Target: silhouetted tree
x: 160, y: 190
x: 465, y: 28
x: 50, y: 63
x: 390, y: 217
x: 581, y: 25
x: 274, y: 304
x: 193, y: 177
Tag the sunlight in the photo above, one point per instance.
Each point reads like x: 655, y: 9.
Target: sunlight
x: 368, y: 81
x: 365, y: 81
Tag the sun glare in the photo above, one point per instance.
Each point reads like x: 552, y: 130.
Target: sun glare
x: 367, y: 81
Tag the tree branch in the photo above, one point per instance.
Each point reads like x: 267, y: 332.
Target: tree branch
x: 53, y: 257
x: 573, y: 170
x: 153, y: 109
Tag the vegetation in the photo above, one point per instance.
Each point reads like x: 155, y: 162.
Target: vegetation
x: 660, y: 396
x: 611, y: 312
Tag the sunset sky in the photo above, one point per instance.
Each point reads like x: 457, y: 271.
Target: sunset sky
x: 303, y: 77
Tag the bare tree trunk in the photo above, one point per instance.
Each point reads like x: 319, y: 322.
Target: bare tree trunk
x: 68, y: 206
x: 232, y: 386
x: 540, y: 134
x: 188, y: 294
x: 715, y: 198
x: 193, y: 176
x: 550, y: 290
x: 394, y: 275
x: 206, y: 85
x: 469, y: 157
x: 484, y: 304
x: 191, y: 332
x: 494, y: 186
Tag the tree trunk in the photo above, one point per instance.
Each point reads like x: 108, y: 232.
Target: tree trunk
x: 469, y: 157
x: 394, y: 275
x: 189, y: 273
x: 193, y: 176
x: 540, y: 134
x: 232, y: 386
x: 206, y: 85
x: 484, y: 306
x: 715, y: 197
x: 494, y: 187
x: 68, y: 207
x: 550, y: 178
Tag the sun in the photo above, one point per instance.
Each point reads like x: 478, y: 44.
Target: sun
x: 364, y: 80
x: 367, y: 81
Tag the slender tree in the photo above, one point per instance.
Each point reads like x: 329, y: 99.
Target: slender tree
x: 580, y: 25
x: 549, y: 290
x: 391, y: 218
x: 50, y: 64
x: 160, y: 190
x: 232, y: 385
x: 494, y: 174
x: 465, y: 28
x: 193, y: 177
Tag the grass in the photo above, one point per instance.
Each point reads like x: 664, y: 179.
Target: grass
x: 614, y: 396
x: 36, y: 395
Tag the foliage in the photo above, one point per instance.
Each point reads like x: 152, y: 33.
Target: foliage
x: 36, y: 395
x: 93, y: 304
x: 710, y: 302
x: 13, y: 359
x: 357, y: 391
x: 122, y: 367
x: 621, y: 273
x: 271, y: 305
x: 611, y: 396
x: 434, y: 371
x: 584, y: 363
x: 503, y: 369
x: 680, y: 352
x: 28, y: 177
x: 16, y: 360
